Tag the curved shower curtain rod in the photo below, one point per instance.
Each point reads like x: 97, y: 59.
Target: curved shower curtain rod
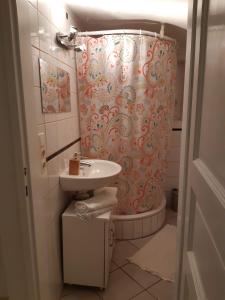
x: 127, y: 31
x: 68, y: 40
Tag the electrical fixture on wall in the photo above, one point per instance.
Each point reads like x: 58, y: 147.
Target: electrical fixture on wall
x: 67, y: 41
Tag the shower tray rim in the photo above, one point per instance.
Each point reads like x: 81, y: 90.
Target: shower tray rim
x: 141, y: 215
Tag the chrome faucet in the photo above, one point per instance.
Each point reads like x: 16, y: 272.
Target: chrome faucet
x: 85, y: 163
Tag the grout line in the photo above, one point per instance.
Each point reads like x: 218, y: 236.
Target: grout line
x: 153, y: 296
x: 133, y: 279
x: 52, y: 56
x: 133, y: 245
x: 117, y: 267
x: 145, y: 288
x: 122, y: 265
x: 152, y: 286
x: 99, y: 295
x: 154, y: 282
x: 136, y: 295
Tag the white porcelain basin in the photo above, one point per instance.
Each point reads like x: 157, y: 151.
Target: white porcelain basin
x: 100, y: 173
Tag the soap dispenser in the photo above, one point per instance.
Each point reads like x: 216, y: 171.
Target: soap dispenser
x: 74, y: 164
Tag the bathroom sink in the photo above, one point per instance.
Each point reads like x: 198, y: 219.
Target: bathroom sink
x: 94, y: 174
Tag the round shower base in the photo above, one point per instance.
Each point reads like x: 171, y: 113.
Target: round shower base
x: 140, y: 225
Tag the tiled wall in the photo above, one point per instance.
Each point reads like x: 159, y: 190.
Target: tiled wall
x: 172, y: 176
x: 46, y: 17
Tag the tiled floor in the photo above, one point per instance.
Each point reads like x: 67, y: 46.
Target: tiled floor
x: 127, y: 281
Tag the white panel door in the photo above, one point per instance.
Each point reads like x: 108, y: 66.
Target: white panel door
x: 202, y: 274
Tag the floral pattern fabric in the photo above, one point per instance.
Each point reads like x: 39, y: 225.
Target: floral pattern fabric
x: 126, y: 89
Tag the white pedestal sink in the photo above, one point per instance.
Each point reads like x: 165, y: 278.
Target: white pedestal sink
x: 98, y: 174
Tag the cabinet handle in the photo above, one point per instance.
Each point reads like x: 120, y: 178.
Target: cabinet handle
x: 111, y: 237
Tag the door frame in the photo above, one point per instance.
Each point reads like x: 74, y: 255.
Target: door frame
x: 197, y: 10
x: 20, y: 221
x: 185, y: 139
x: 16, y: 220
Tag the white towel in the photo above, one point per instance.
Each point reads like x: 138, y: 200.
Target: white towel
x: 93, y: 214
x: 105, y: 197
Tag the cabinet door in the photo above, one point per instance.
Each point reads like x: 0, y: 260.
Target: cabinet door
x: 111, y: 241
x: 109, y: 245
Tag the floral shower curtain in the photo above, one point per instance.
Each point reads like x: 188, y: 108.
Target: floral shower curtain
x: 126, y: 87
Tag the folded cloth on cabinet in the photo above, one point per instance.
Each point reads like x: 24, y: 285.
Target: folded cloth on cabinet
x: 95, y: 213
x: 103, y: 198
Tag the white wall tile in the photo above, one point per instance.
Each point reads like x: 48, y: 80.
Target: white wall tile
x: 50, y: 117
x: 71, y: 129
x: 173, y: 158
x: 33, y: 2
x: 74, y: 102
x: 77, y: 125
x: 44, y: 34
x: 44, y: 6
x: 40, y: 176
x: 33, y: 22
x: 173, y: 169
x: 36, y: 76
x: 175, y: 138
x: 174, y: 154
x: 47, y: 57
x: 171, y: 183
x: 65, y: 57
x: 64, y: 115
x: 63, y: 162
x: 55, y: 49
x: 73, y: 84
x: 53, y: 172
x: 52, y: 137
x: 66, y: 132
x: 38, y: 107
x: 62, y: 133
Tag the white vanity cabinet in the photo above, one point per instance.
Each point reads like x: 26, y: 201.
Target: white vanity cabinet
x: 87, y: 248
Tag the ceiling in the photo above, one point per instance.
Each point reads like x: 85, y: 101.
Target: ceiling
x: 148, y: 15
x: 166, y: 11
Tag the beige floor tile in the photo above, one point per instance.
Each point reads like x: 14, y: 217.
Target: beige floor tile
x: 79, y: 293
x: 122, y: 251
x: 143, y: 296
x: 120, y: 287
x: 163, y: 290
x: 144, y: 278
x: 139, y: 243
x: 113, y: 267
